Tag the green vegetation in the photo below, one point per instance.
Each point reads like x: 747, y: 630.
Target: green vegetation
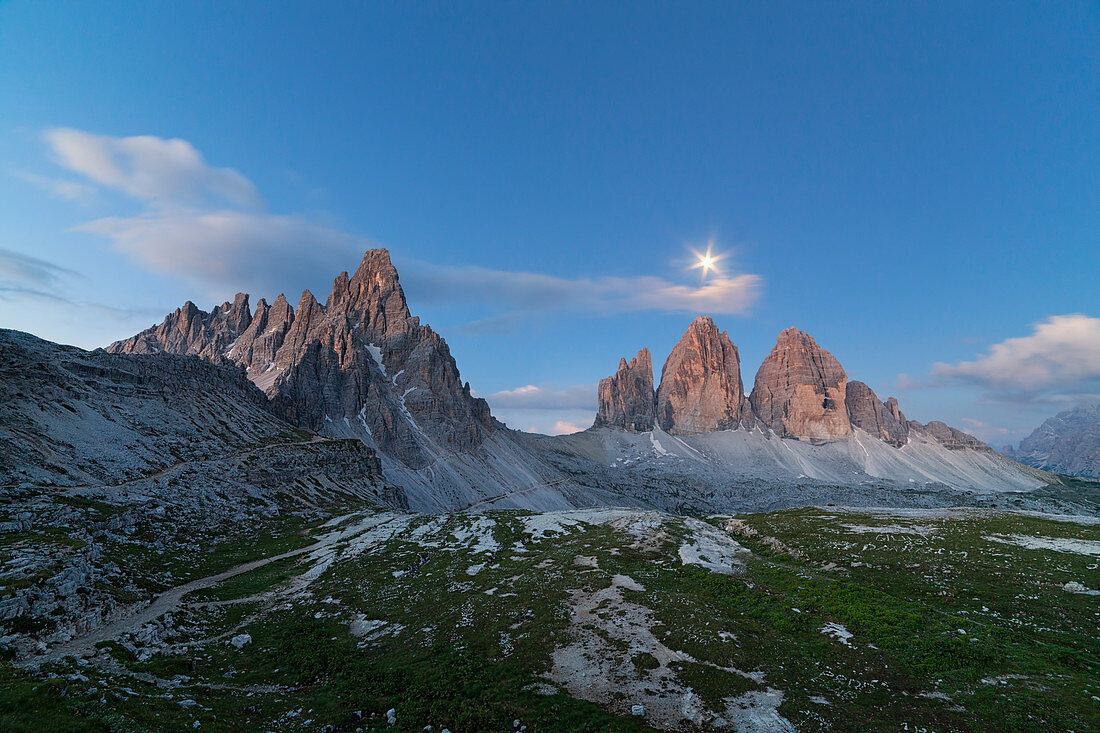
x: 946, y: 622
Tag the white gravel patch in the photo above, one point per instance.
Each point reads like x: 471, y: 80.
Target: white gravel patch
x: 838, y: 632
x: 711, y: 548
x: 1057, y: 544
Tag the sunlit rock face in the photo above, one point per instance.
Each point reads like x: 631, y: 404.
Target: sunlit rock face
x: 189, y: 330
x: 626, y: 399
x: 800, y: 390
x: 359, y: 365
x: 701, y: 389
x: 882, y: 420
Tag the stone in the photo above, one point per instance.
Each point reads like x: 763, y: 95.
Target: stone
x: 240, y: 641
x: 626, y: 399
x: 800, y: 390
x: 1067, y: 443
x: 701, y: 389
x: 637, y: 711
x: 360, y: 365
x: 882, y: 420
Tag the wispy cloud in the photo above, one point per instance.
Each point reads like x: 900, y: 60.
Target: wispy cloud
x: 208, y: 224
x: 546, y: 408
x: 530, y: 292
x: 546, y: 397
x: 1060, y: 357
x: 18, y: 267
x: 61, y: 187
x: 24, y: 277
x: 164, y: 171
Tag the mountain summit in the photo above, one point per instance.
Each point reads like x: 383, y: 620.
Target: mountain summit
x: 701, y: 388
x: 362, y: 366
x: 360, y: 359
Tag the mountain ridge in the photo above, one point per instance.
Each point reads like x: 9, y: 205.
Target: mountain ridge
x: 1068, y: 443
x: 801, y: 391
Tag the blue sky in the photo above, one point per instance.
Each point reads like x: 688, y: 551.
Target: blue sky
x: 916, y: 185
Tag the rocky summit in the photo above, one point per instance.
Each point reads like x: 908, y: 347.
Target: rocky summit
x: 701, y: 388
x: 1067, y: 443
x: 360, y: 363
x: 626, y: 398
x: 800, y: 390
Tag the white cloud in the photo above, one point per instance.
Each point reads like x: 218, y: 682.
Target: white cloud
x: 528, y: 291
x: 207, y: 225
x: 167, y: 172
x: 546, y: 408
x: 224, y: 251
x: 1062, y: 355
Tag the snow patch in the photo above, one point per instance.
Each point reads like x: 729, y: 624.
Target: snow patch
x: 376, y: 354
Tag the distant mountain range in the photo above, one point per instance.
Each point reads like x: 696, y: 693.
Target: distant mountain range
x: 362, y: 366
x: 1068, y: 443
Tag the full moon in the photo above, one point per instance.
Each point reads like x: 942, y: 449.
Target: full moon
x: 707, y: 261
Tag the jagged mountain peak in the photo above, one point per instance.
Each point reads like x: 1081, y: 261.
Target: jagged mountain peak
x: 626, y: 399
x: 800, y: 390
x: 359, y: 365
x: 701, y: 389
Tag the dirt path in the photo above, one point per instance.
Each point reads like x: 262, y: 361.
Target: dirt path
x: 161, y: 605
x: 323, y: 552
x: 492, y: 500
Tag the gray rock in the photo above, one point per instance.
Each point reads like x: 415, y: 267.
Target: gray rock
x: 626, y: 399
x: 1068, y: 443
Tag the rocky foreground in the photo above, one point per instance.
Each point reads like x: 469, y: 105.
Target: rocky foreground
x: 600, y: 620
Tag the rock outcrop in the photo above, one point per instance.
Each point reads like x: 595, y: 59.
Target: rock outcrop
x: 800, y: 390
x: 701, y: 389
x: 1068, y: 443
x: 882, y: 420
x: 947, y: 436
x: 191, y: 331
x: 360, y: 365
x: 626, y: 399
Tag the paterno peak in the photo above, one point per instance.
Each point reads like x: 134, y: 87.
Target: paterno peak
x: 359, y: 365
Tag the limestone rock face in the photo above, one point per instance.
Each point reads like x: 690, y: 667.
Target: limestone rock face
x: 882, y: 420
x: 626, y: 399
x: 191, y: 331
x: 359, y: 366
x: 947, y: 436
x: 701, y: 389
x: 800, y: 390
x: 1067, y: 443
